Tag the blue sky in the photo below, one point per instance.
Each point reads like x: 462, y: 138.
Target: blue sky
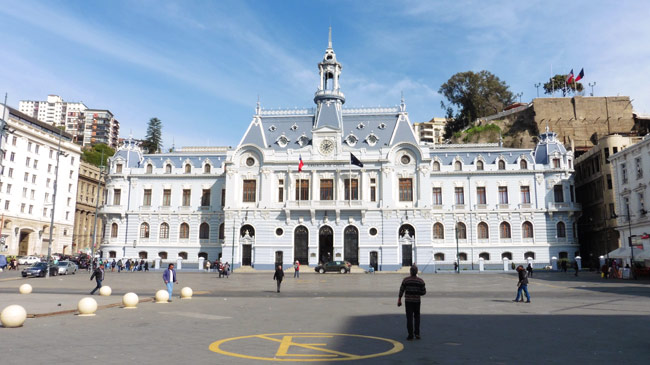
x: 199, y: 66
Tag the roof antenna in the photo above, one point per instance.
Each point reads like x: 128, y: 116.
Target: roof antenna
x: 258, y: 109
x: 173, y: 145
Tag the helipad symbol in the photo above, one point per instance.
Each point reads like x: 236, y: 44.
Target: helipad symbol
x: 306, y: 347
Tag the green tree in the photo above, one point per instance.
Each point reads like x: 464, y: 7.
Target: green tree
x: 558, y: 83
x: 153, y: 141
x: 471, y: 95
x: 93, y: 155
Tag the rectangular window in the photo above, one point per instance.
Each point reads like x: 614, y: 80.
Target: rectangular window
x: 8, y: 188
x: 606, y: 152
x: 35, y: 164
x: 373, y: 189
x: 351, y: 189
x: 639, y: 168
x: 187, y: 197
x: 146, y: 199
x: 480, y: 195
x: 34, y: 180
x: 167, y: 197
x: 573, y: 195
x: 223, y: 198
x: 405, y: 190
x: 437, y: 196
x: 117, y: 196
x: 27, y: 161
x: 624, y: 173
x: 10, y: 173
x: 12, y: 156
x: 612, y: 210
x: 558, y: 193
x: 22, y: 208
x: 49, y: 168
x: 503, y: 195
x: 614, y: 149
x: 26, y: 176
x: 525, y: 195
x: 326, y: 189
x: 205, y: 197
x: 281, y: 190
x: 47, y: 182
x: 24, y: 192
x: 609, y: 181
x: 249, y: 191
x: 302, y: 189
x: 118, y: 168
x: 556, y: 163
x: 6, y: 204
x: 31, y: 209
x: 459, y: 196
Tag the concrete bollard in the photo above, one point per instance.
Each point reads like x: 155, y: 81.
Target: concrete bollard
x: 130, y: 300
x: 13, y: 316
x: 105, y: 291
x: 156, y: 264
x: 201, y: 263
x: 506, y: 264
x: 25, y: 289
x: 186, y: 293
x: 481, y: 264
x: 87, y: 307
x: 554, y: 263
x: 162, y: 296
x: 579, y: 261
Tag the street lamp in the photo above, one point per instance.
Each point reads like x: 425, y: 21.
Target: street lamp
x: 537, y: 85
x: 457, y: 252
x: 56, y: 184
x: 592, y: 84
x: 99, y: 180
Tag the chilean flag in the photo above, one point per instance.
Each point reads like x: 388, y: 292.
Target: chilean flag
x: 580, y: 75
x: 569, y: 77
x: 300, y: 164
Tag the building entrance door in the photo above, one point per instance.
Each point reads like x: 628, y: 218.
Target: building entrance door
x: 301, y: 245
x: 246, y: 255
x: 325, y: 244
x: 373, y: 260
x: 23, y: 245
x: 407, y: 255
x: 279, y: 258
x: 351, y: 245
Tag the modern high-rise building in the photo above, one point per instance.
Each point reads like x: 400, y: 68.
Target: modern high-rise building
x: 53, y: 111
x: 431, y: 131
x: 100, y: 127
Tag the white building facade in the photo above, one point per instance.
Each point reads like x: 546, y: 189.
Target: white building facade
x: 29, y: 171
x: 367, y: 193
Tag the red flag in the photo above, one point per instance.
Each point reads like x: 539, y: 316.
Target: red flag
x: 300, y: 164
x: 580, y: 75
x: 569, y: 77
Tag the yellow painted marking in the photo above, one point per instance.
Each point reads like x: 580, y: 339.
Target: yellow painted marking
x: 199, y: 292
x: 322, y: 353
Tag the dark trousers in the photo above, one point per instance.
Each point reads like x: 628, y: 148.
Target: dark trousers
x: 279, y: 282
x: 412, y: 315
x: 99, y: 285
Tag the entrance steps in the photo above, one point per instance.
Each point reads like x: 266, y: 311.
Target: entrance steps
x: 244, y: 269
x: 355, y: 269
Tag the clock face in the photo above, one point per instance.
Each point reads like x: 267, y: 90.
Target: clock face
x: 326, y: 147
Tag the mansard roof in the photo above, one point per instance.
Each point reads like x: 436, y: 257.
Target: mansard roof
x: 488, y: 154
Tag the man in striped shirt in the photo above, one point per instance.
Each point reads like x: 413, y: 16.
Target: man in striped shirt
x: 412, y: 288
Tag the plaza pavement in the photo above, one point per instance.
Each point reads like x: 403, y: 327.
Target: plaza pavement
x: 466, y: 318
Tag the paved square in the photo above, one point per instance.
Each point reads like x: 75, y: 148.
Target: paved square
x: 466, y: 318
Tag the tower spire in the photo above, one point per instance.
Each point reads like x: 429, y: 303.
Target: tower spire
x: 329, y: 39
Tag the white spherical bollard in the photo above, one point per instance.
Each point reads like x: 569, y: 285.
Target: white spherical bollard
x: 186, y: 293
x: 105, y: 291
x: 13, y: 316
x: 87, y: 307
x: 25, y: 289
x: 162, y: 296
x: 130, y: 300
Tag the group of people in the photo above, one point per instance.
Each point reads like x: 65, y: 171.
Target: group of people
x: 128, y: 265
x: 613, y: 270
x: 222, y: 268
x: 10, y: 264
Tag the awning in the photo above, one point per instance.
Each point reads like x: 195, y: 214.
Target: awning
x: 626, y: 253
x: 644, y: 255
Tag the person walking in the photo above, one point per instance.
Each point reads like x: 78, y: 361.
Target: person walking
x: 529, y: 269
x: 207, y: 266
x: 564, y: 266
x: 169, y: 277
x: 575, y: 267
x: 278, y: 276
x: 522, y: 284
x: 146, y: 266
x: 226, y: 270
x: 296, y: 270
x: 98, y: 275
x: 113, y: 264
x: 412, y: 288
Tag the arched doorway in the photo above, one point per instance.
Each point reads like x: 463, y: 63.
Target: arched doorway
x: 325, y: 244
x: 351, y: 245
x: 23, y: 242
x: 406, y: 237
x: 300, y: 245
x: 246, y: 238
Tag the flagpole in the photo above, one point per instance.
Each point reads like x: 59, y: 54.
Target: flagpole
x: 552, y: 82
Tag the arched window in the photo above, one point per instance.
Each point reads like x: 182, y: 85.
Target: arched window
x: 164, y: 231
x: 205, y: 255
x: 247, y: 229
x: 149, y: 168
x: 483, y: 231
x: 144, y: 230
x: 439, y: 256
x: 114, y: 230
x: 561, y: 230
x: 168, y: 169
x: 182, y: 255
x: 461, y: 231
x: 485, y: 256
x: 502, y: 165
x: 222, y: 231
x: 184, y: 231
x: 506, y: 255
x: 527, y: 230
x: 438, y: 231
x: 504, y: 230
x: 462, y: 256
x: 523, y: 164
x: 207, y: 168
x: 529, y: 255
x: 142, y: 254
x: 204, y: 231
x: 436, y: 166
x: 112, y: 254
x: 188, y: 168
x: 458, y: 166
x: 479, y: 165
x: 162, y: 255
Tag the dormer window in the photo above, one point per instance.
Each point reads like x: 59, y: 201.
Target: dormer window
x: 303, y: 140
x: 272, y: 128
x: 149, y: 169
x: 382, y: 126
x: 168, y: 169
x: 361, y: 125
x: 556, y: 163
x: 351, y: 140
x: 294, y: 127
x: 188, y: 168
x: 479, y: 165
x: 458, y: 166
x: 502, y: 165
x: 372, y: 139
x: 523, y: 164
x: 282, y: 141
x: 207, y: 168
x: 118, y: 168
x: 436, y: 166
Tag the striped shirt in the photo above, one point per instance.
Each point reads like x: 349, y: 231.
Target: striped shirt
x: 412, y: 288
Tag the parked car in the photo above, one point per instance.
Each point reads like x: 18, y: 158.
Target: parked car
x: 67, y: 267
x: 28, y: 260
x: 39, y: 269
x: 338, y: 266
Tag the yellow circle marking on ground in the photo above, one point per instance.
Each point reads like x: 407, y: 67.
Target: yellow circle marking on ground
x: 324, y: 354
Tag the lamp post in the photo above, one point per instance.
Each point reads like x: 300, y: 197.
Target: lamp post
x: 99, y: 180
x: 457, y: 252
x: 537, y: 85
x: 56, y: 184
x: 591, y: 85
